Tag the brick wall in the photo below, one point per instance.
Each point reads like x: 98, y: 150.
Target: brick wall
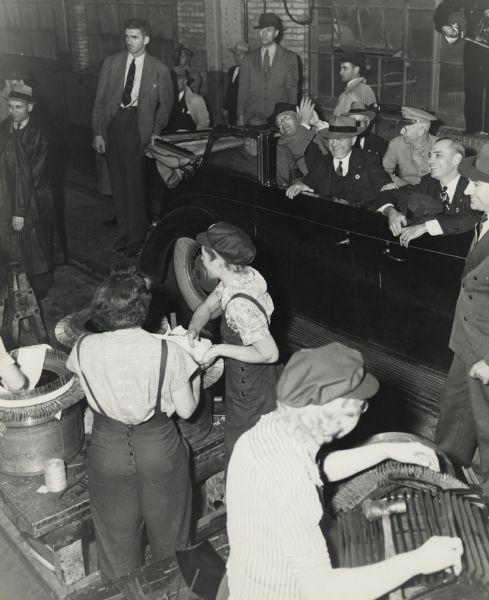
x: 78, y: 34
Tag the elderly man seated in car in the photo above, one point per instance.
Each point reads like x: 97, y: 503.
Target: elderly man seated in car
x: 298, y: 129
x: 437, y: 205
x: 348, y: 173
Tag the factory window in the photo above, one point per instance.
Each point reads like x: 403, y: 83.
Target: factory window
x: 28, y: 28
x: 407, y: 60
x: 105, y: 21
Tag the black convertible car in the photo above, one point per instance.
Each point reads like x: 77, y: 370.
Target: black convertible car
x: 334, y: 270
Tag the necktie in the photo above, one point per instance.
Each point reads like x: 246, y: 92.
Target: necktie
x: 339, y: 168
x: 445, y: 199
x: 479, y: 225
x: 126, y: 94
x: 266, y: 65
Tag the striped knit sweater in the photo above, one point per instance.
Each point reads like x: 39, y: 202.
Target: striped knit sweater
x: 274, y: 511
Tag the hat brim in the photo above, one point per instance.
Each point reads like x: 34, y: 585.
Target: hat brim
x: 340, y: 135
x: 361, y: 113
x: 368, y: 387
x: 468, y: 169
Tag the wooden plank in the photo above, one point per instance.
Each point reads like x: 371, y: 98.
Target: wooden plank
x: 69, y: 563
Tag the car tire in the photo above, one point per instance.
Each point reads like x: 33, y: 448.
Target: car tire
x: 192, y: 279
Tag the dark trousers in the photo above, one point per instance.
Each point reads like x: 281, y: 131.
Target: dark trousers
x: 137, y: 476
x: 476, y: 87
x: 125, y: 160
x: 463, y: 423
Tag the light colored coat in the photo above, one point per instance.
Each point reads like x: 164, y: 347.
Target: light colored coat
x: 357, y: 91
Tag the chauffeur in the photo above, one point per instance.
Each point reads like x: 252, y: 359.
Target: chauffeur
x: 463, y: 423
x: 349, y: 173
x: 407, y: 155
x: 277, y: 549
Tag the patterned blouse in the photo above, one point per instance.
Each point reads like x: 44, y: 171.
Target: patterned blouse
x: 243, y: 316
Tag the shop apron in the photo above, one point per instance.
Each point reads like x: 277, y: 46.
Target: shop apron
x: 249, y: 388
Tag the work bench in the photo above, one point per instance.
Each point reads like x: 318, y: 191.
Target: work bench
x: 53, y: 533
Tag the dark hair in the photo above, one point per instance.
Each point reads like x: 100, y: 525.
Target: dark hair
x: 357, y: 60
x: 455, y: 144
x: 137, y: 23
x: 121, y: 301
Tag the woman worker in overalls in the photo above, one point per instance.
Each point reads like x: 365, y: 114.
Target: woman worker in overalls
x: 138, y: 471
x: 251, y: 354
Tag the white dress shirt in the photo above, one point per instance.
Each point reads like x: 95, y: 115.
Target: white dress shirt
x: 137, y: 77
x: 345, y: 163
x: 271, y: 52
x: 433, y: 226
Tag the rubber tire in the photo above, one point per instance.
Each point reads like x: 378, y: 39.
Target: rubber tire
x: 183, y: 255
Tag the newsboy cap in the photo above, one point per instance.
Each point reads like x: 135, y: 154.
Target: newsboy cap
x: 269, y: 20
x: 231, y: 243
x: 477, y: 167
x: 411, y: 115
x: 320, y: 375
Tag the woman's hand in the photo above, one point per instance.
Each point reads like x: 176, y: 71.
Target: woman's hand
x: 192, y: 336
x: 414, y: 453
x: 210, y: 356
x: 439, y: 553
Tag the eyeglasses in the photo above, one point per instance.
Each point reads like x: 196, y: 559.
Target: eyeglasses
x: 282, y: 118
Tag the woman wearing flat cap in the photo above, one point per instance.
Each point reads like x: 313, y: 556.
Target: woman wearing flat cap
x: 277, y: 549
x: 138, y: 467
x: 250, y: 352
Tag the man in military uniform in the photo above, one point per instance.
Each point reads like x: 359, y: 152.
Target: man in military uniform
x: 406, y: 159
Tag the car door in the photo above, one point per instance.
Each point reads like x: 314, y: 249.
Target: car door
x: 304, y: 247
x: 410, y: 308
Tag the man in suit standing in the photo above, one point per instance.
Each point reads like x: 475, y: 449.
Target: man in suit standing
x: 450, y: 209
x: 463, y: 423
x: 132, y: 104
x: 348, y: 173
x: 268, y: 75
x: 230, y: 106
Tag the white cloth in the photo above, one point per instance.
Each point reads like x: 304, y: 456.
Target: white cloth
x: 273, y: 515
x: 122, y: 368
x: 139, y: 60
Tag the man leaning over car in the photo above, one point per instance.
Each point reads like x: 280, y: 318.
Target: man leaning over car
x: 441, y: 193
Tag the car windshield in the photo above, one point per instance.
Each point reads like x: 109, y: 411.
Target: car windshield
x: 238, y: 153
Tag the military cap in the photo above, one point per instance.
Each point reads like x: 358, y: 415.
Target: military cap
x: 21, y: 92
x: 411, y: 115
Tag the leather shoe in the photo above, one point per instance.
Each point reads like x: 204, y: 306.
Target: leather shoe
x: 133, y: 250
x: 110, y: 222
x: 121, y: 243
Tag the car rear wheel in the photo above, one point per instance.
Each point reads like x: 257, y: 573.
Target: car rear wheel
x: 192, y: 278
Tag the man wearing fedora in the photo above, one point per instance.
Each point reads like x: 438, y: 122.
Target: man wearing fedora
x: 182, y: 56
x: 438, y: 204
x: 274, y: 485
x: 406, y: 159
x: 351, y: 68
x: 348, y: 173
x: 463, y: 423
x: 37, y: 245
x: 368, y: 140
x: 230, y: 106
x: 133, y: 102
x: 269, y: 74
x: 298, y: 128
